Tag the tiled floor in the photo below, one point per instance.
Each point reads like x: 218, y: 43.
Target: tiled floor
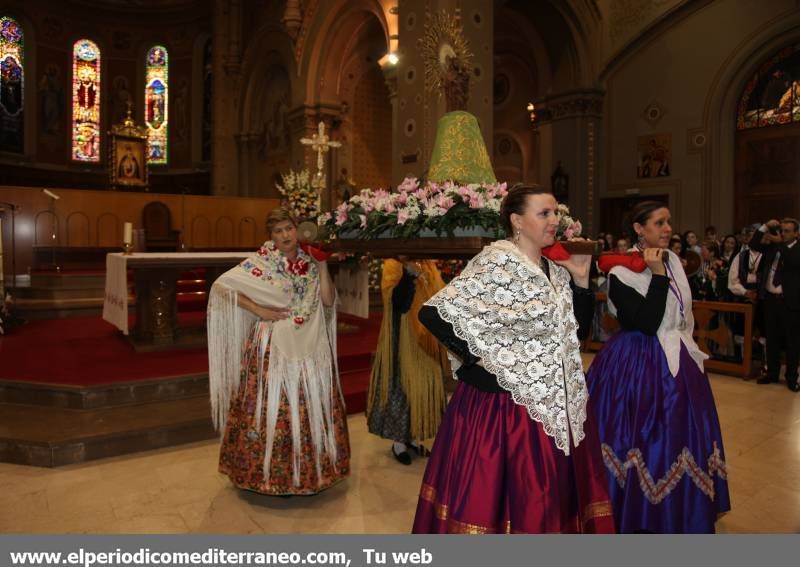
x: 179, y: 490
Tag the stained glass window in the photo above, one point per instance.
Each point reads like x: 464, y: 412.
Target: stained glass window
x: 156, y: 95
x: 12, y: 84
x: 86, y: 101
x: 772, y: 95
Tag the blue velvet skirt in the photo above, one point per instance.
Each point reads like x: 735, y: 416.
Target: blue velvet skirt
x: 660, y: 438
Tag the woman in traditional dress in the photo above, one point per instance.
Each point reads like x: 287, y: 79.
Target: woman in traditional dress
x: 406, y: 391
x: 274, y: 382
x: 651, y: 397
x: 516, y: 450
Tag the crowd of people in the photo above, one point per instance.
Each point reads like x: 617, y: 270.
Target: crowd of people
x: 758, y: 265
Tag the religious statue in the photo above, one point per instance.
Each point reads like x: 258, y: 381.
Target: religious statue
x: 456, y: 84
x: 459, y: 152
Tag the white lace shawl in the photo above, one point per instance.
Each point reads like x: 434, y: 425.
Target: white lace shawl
x: 669, y: 332
x: 523, y: 328
x: 301, y: 356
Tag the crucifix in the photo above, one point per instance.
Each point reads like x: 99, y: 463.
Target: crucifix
x: 319, y: 143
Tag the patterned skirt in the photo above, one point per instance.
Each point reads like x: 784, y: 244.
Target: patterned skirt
x: 494, y: 470
x: 243, y: 443
x: 660, y: 437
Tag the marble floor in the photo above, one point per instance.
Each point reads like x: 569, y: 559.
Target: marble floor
x: 178, y: 490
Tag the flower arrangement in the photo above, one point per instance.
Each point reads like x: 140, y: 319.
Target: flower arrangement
x: 438, y: 208
x: 568, y: 227
x: 298, y: 195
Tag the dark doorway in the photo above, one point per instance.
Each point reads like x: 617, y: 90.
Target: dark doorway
x: 615, y: 211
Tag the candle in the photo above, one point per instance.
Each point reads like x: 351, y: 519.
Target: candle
x: 127, y: 237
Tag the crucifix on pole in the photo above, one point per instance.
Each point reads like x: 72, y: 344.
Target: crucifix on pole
x: 320, y: 143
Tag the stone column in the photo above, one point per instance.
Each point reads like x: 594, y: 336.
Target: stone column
x: 226, y: 58
x: 569, y: 126
x: 390, y: 76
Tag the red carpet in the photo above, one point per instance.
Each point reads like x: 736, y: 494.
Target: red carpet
x: 87, y: 351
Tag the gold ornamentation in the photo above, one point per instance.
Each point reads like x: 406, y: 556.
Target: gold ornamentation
x: 443, y: 40
x: 654, y: 491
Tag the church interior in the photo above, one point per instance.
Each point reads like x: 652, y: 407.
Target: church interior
x: 174, y: 127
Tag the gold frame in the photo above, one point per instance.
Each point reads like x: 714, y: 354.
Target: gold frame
x: 128, y: 141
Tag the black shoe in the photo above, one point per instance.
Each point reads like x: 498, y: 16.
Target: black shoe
x: 767, y: 380
x: 403, y: 458
x: 420, y: 450
x: 793, y: 386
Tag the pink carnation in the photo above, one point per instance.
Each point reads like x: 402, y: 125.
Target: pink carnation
x: 408, y: 185
x: 402, y: 216
x: 445, y: 203
x: 341, y: 214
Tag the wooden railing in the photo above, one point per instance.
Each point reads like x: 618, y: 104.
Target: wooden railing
x: 717, y: 324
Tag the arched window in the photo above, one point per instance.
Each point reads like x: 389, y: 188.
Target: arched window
x: 772, y: 95
x: 156, y: 96
x: 86, y: 101
x: 12, y: 85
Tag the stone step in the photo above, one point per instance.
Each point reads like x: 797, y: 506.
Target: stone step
x: 68, y: 280
x: 51, y: 437
x: 24, y: 293
x: 104, y: 395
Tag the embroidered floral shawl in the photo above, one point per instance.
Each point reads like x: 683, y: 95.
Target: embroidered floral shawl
x: 301, y: 349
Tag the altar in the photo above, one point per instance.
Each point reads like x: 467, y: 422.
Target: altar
x: 155, y: 277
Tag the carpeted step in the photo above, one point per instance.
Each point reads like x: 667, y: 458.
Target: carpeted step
x: 191, y: 301
x: 354, y: 362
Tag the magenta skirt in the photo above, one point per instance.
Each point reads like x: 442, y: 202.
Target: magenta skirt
x: 494, y: 470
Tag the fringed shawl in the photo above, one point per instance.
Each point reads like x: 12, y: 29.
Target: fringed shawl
x: 301, y: 349
x: 423, y: 363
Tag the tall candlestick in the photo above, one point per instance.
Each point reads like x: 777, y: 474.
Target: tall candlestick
x: 127, y: 237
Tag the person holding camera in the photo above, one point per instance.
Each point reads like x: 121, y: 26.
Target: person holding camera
x: 780, y: 292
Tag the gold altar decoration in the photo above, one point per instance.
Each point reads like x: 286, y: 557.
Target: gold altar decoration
x: 128, y: 157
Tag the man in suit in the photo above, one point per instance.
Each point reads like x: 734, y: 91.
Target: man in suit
x: 780, y: 292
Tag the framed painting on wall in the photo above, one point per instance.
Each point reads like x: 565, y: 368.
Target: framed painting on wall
x: 128, y: 155
x: 128, y: 165
x: 655, y: 154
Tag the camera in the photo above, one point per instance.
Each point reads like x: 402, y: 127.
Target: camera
x: 774, y: 230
